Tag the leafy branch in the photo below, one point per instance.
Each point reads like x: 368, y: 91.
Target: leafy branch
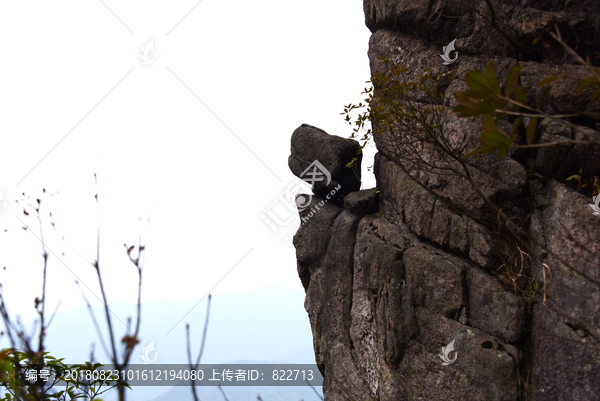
x: 485, y: 98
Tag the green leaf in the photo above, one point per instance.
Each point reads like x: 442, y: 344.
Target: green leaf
x: 502, y: 153
x: 483, y: 107
x: 548, y: 80
x: 585, y: 83
x: 490, y: 72
x: 489, y: 124
x: 531, y: 130
x: 494, y: 139
x: 460, y: 109
x: 481, y: 150
x: 544, y: 94
x: 481, y: 84
x: 514, y: 130
x: 520, y: 95
x: 512, y: 80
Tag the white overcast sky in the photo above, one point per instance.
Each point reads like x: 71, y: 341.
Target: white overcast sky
x: 199, y: 138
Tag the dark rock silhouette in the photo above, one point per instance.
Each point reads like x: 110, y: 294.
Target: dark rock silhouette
x: 310, y: 144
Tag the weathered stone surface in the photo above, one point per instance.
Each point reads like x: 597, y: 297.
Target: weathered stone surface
x: 362, y: 202
x: 521, y: 22
x: 562, y: 161
x: 435, y: 280
x: 386, y: 292
x: 379, y: 328
x: 566, y: 357
x: 333, y: 152
x: 415, y: 17
x: 313, y: 236
x: 566, y: 326
x: 428, y: 216
x: 502, y: 180
x: 480, y: 243
x: 398, y: 287
x: 567, y: 240
x: 329, y: 301
x: 485, y: 368
x: 382, y: 317
x: 492, y: 308
x: 563, y: 97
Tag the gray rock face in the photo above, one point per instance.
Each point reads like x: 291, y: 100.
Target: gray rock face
x: 395, y: 279
x: 567, y: 326
x: 310, y: 144
x: 382, y: 305
x: 523, y: 21
x: 562, y: 161
x: 363, y: 202
x: 493, y: 309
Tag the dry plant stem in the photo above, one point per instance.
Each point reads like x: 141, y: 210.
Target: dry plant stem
x: 129, y: 341
x: 20, y: 391
x: 36, y: 358
x: 557, y: 117
x: 96, y: 265
x: 17, y: 332
x: 546, y: 144
x: 189, y: 349
x: 94, y: 321
x: 43, y: 300
x: 223, y: 393
x: 544, y: 267
x: 519, y: 233
x: 314, y: 389
x: 540, y: 113
x: 7, y: 322
x: 557, y: 36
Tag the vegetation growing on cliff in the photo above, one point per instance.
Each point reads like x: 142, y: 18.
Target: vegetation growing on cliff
x: 409, y: 118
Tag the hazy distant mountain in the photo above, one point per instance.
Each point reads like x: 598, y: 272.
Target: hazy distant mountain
x: 266, y: 324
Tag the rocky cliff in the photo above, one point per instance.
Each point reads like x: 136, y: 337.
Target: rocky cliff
x: 412, y: 289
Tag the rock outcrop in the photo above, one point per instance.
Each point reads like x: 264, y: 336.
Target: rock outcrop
x: 313, y: 145
x: 403, y: 282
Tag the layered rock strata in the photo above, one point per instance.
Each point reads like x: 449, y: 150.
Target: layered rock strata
x: 394, y: 275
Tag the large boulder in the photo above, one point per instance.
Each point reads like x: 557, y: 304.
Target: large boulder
x: 314, y: 150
